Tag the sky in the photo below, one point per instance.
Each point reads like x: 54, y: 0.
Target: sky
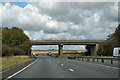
x: 62, y: 20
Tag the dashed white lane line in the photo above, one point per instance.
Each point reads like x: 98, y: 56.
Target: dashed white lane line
x: 62, y: 64
x: 71, y: 70
x: 21, y: 70
x: 57, y: 61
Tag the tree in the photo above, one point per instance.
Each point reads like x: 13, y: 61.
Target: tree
x: 16, y: 38
x: 6, y: 50
x: 0, y: 41
x: 112, y: 41
x: 26, y: 46
x: 115, y: 36
x: 17, y: 51
x: 106, y: 49
x: 5, y: 36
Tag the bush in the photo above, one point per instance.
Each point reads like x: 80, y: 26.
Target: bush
x: 19, y: 43
x: 6, y: 50
x: 106, y: 49
x: 18, y: 51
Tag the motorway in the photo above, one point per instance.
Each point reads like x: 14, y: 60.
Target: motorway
x: 49, y: 67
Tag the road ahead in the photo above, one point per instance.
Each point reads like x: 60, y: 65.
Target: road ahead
x: 49, y: 67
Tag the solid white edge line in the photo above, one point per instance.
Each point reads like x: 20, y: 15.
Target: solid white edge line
x: 104, y: 65
x: 100, y: 64
x: 71, y: 70
x: 108, y: 66
x: 21, y: 70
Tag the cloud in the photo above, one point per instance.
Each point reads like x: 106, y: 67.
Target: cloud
x: 59, y: 20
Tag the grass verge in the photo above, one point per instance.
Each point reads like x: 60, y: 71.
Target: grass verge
x: 13, y: 61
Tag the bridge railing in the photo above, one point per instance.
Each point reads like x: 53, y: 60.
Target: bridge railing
x: 95, y: 59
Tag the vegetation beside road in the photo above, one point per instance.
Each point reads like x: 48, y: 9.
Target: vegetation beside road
x: 16, y: 47
x: 15, y: 42
x: 13, y: 61
x: 112, y: 41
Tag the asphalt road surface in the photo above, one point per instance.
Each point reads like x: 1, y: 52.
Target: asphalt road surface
x: 49, y: 67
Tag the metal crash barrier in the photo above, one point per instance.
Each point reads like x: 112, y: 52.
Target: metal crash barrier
x: 94, y: 59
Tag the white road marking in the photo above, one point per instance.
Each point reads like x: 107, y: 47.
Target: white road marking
x: 21, y: 70
x: 108, y: 66
x: 71, y: 70
x: 98, y: 64
x: 62, y: 64
x: 57, y: 61
x: 104, y: 65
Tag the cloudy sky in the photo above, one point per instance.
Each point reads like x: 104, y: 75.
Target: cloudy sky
x: 62, y: 20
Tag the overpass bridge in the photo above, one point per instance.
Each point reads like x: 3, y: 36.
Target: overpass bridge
x: 93, y: 44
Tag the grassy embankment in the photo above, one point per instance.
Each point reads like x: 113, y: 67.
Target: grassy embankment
x: 13, y: 61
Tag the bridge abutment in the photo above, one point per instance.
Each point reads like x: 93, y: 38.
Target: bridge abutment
x: 93, y: 49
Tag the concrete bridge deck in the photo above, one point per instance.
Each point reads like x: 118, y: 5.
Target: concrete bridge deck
x: 67, y: 42
x: 93, y: 44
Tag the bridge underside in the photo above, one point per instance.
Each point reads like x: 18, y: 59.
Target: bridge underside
x: 93, y: 45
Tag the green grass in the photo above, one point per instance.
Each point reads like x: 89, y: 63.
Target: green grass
x: 10, y: 62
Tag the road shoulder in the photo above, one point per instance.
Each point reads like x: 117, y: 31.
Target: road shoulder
x: 9, y: 72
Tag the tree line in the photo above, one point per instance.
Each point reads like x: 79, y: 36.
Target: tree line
x: 15, y: 42
x: 112, y: 41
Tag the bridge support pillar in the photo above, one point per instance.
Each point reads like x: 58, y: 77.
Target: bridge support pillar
x: 60, y: 49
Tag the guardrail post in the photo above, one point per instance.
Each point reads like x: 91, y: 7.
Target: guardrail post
x: 82, y: 59
x: 93, y: 59
x: 88, y: 59
x: 102, y: 60
x: 111, y: 61
x: 97, y: 60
